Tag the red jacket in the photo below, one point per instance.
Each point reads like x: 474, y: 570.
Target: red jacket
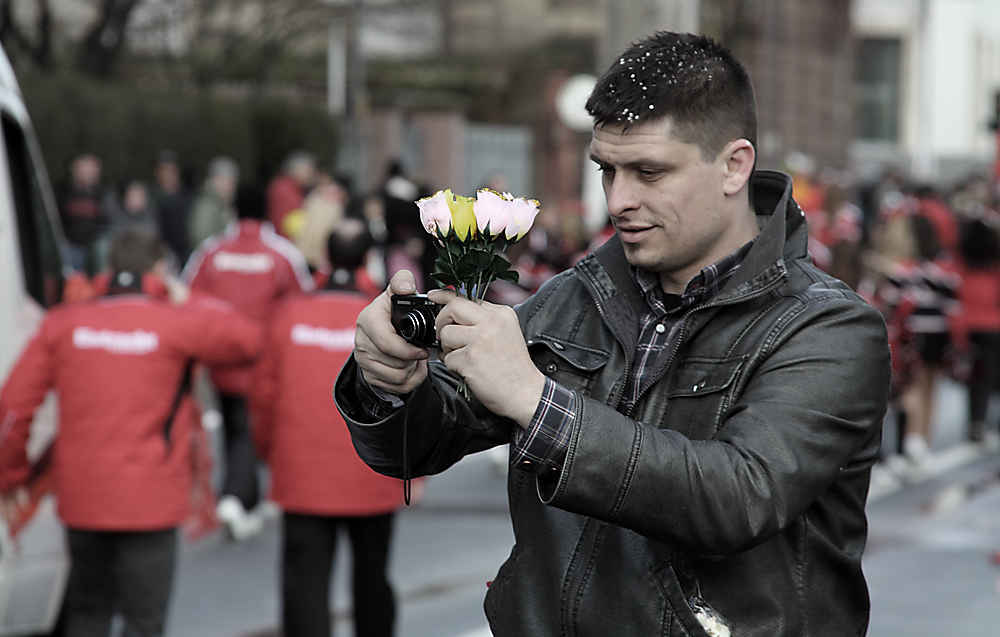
x: 284, y: 195
x: 117, y: 364
x: 298, y: 430
x: 252, y: 268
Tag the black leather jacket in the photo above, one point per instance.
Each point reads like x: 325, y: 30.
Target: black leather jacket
x: 741, y: 474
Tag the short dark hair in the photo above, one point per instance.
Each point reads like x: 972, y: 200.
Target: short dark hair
x: 348, y: 244
x: 135, y: 250
x: 691, y: 78
x: 251, y: 202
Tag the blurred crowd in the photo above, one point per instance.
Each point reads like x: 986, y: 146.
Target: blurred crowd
x: 929, y: 260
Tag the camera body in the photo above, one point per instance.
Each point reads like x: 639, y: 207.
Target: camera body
x: 413, y: 318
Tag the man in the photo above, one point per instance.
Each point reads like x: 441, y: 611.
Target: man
x: 85, y: 210
x: 316, y: 476
x: 287, y: 191
x: 173, y: 202
x: 252, y: 268
x: 121, y: 458
x: 694, y: 409
x: 213, y: 210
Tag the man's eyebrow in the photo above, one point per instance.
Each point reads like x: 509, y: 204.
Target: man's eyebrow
x: 641, y: 164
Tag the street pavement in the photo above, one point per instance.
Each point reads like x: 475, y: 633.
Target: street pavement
x: 929, y: 561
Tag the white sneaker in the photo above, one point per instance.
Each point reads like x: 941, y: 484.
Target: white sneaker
x: 239, y: 524
x: 915, y: 448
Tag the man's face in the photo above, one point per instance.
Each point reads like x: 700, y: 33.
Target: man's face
x: 666, y: 202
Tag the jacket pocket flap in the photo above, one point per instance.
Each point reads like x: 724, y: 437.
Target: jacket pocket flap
x: 697, y: 376
x: 581, y: 358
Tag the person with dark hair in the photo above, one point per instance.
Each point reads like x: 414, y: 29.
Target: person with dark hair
x: 693, y: 410
x: 121, y: 458
x: 214, y: 208
x: 979, y: 297
x: 252, y: 268
x: 316, y: 476
x: 85, y: 208
x: 173, y: 199
x: 135, y: 209
x: 347, y: 250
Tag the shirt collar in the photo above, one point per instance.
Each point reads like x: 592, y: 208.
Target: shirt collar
x: 700, y: 289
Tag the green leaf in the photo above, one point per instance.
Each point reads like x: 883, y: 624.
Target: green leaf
x: 444, y: 279
x: 466, y: 270
x: 455, y: 248
x: 510, y: 276
x: 482, y: 259
x: 500, y: 264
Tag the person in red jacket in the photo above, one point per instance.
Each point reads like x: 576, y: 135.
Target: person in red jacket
x: 287, y: 191
x: 252, y: 268
x: 316, y: 476
x: 120, y: 460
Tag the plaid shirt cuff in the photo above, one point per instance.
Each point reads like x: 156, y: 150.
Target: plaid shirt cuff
x: 376, y: 404
x: 541, y: 448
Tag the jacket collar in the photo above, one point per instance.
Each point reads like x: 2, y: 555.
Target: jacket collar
x: 782, y: 236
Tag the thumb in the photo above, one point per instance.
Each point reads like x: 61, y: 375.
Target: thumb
x: 403, y: 282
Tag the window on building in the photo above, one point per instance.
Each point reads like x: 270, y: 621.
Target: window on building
x: 40, y: 256
x: 876, y: 92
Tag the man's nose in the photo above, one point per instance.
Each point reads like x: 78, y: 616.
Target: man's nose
x: 620, y: 195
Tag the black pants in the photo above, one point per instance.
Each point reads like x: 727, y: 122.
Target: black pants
x: 309, y: 551
x: 988, y: 373
x: 130, y: 572
x: 241, y: 459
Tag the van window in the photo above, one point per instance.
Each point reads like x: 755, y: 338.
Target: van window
x: 41, y: 261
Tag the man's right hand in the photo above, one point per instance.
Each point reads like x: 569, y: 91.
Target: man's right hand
x: 13, y: 503
x: 386, y: 360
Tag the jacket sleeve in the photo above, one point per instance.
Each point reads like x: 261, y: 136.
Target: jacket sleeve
x: 808, y: 416
x: 221, y: 336
x: 265, y: 389
x: 432, y: 444
x: 24, y: 391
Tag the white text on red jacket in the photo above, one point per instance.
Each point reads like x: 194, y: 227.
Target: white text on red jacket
x: 138, y: 342
x: 334, y: 340
x: 244, y: 263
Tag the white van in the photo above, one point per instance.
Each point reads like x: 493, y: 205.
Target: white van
x: 34, y: 566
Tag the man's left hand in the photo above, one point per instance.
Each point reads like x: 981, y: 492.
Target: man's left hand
x: 483, y: 343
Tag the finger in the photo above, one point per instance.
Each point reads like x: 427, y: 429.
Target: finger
x: 391, y: 350
x: 403, y: 282
x: 441, y: 296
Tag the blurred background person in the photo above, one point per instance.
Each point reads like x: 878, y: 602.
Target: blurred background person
x: 979, y: 295
x: 135, y: 209
x: 316, y: 476
x: 287, y: 191
x: 85, y: 210
x: 252, y: 268
x: 323, y: 208
x: 173, y: 200
x: 214, y: 209
x: 836, y: 230
x: 121, y: 456
x: 346, y: 254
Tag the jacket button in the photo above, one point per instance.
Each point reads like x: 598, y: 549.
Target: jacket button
x: 551, y: 368
x: 698, y: 385
x: 660, y: 328
x: 559, y: 346
x: 526, y: 464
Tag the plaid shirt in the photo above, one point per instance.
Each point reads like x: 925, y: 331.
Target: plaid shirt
x: 541, y: 448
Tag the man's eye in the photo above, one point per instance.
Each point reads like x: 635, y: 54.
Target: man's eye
x: 646, y: 173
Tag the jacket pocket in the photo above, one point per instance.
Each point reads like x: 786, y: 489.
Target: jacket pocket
x: 571, y: 365
x: 684, y: 621
x: 700, y: 376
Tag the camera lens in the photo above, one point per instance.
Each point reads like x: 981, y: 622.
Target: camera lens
x: 415, y: 327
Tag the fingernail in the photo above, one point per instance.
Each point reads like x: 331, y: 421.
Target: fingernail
x: 405, y: 286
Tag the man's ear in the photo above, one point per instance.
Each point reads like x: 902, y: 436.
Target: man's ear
x: 739, y: 156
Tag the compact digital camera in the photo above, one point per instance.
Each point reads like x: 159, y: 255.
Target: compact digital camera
x: 413, y: 317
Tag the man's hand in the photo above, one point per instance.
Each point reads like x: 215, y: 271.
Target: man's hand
x: 483, y: 343
x: 13, y: 503
x: 386, y: 360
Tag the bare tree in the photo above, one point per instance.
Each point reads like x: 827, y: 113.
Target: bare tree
x: 33, y: 41
x: 105, y: 38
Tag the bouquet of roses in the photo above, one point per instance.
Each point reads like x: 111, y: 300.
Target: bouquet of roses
x: 472, y: 235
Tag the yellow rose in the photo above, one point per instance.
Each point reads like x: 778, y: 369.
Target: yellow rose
x: 463, y: 218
